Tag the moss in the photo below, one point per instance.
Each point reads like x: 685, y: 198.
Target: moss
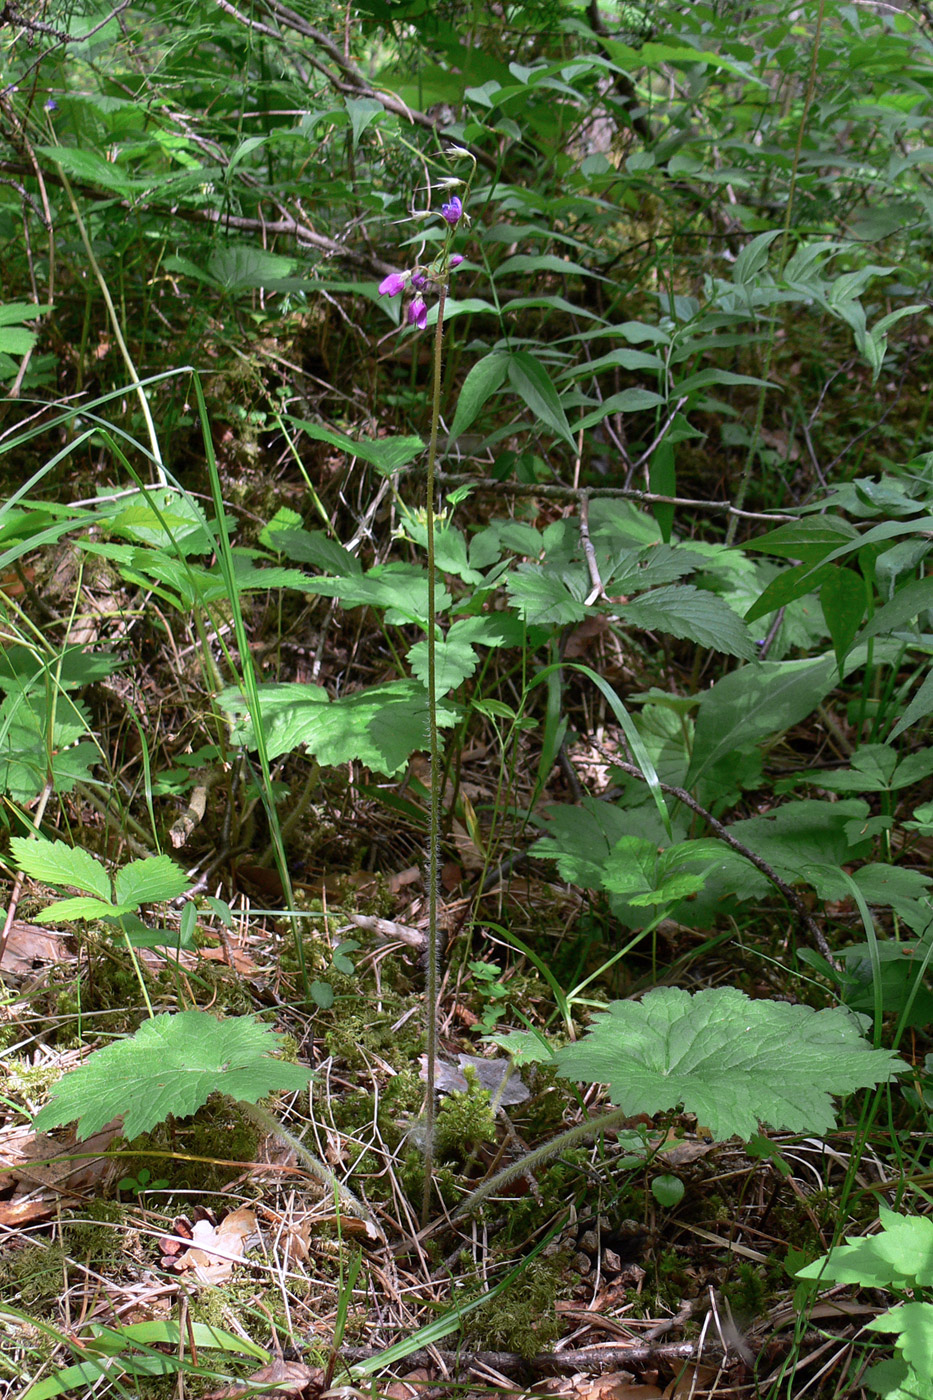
x: 465, y: 1120
x: 748, y: 1292
x: 524, y: 1317
x: 35, y: 1275
x: 220, y: 1133
x: 562, y: 1181
x: 25, y: 1083
x: 357, y: 1033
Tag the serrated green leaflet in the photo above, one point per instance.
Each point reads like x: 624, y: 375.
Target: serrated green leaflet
x: 57, y: 863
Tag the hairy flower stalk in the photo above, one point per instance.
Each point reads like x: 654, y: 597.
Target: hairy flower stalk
x: 420, y: 281
x: 434, y: 824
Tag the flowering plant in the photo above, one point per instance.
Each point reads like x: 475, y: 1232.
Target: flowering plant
x: 420, y: 279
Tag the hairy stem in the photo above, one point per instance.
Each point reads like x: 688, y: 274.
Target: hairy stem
x: 434, y: 824
x: 345, y: 1198
x: 583, y: 1132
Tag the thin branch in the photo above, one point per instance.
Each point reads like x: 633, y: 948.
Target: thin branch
x: 628, y: 493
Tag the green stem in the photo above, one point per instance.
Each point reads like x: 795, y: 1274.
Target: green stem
x: 434, y: 825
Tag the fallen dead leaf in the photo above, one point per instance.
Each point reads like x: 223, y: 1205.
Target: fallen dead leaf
x: 409, y: 1387
x: 412, y: 876
x: 216, y: 1249
x: 29, y: 944
x: 289, y: 1380
x: 490, y: 1074
x: 614, y: 1385
x: 47, y: 1173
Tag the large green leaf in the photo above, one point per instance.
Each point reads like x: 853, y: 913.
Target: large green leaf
x: 388, y: 455
x: 540, y: 595
x: 484, y: 378
x: 920, y: 707
x: 908, y: 602
x: 380, y: 727
x: 170, y: 1066
x: 734, y: 1062
x: 693, y: 613
x: 899, y: 1256
x: 154, y: 879
x: 401, y: 589
x: 454, y: 660
x: 39, y: 739
x: 531, y: 382
x: 753, y: 702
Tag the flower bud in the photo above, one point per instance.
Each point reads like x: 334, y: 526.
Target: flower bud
x: 452, y: 211
x: 418, y: 314
x: 391, y: 286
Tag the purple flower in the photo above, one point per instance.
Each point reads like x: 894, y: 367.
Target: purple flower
x: 418, y: 314
x: 419, y: 279
x: 51, y: 105
x: 391, y: 286
x: 452, y: 211
x: 456, y: 260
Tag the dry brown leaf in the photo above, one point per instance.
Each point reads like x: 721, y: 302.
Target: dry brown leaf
x: 28, y: 944
x: 290, y: 1380
x: 694, y: 1376
x: 242, y: 962
x: 215, y: 1249
x: 413, y: 875
x: 619, y: 1385
x: 48, y: 1173
x: 409, y: 1386
x: 297, y: 1240
x: 614, y: 1385
x: 581, y: 640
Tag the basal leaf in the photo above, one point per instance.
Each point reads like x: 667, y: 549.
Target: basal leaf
x: 80, y: 907
x: 38, y: 740
x: 401, y: 589
x: 57, y: 863
x: 90, y: 168
x: 285, y: 535
x: 388, y: 455
x: 753, y: 702
x: 734, y: 1062
x: 380, y: 727
x: 899, y: 1256
x: 170, y: 1066
x: 540, y: 595
x: 454, y: 659
x: 581, y: 839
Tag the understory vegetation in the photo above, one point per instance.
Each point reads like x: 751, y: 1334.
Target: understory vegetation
x: 466, y: 790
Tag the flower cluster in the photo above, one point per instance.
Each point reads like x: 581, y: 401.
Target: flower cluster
x: 421, y: 279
